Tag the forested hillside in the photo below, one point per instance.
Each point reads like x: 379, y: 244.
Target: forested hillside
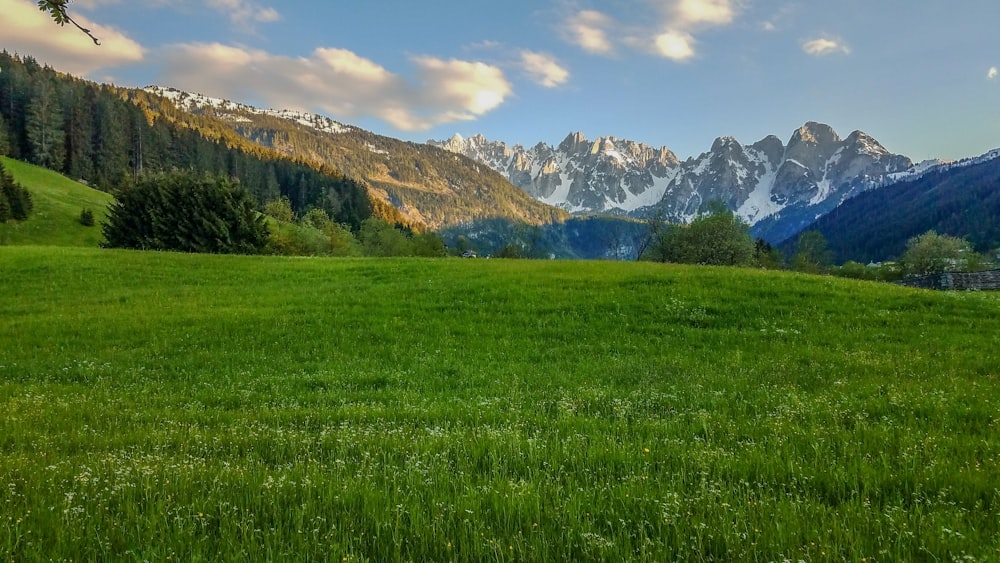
x: 428, y: 185
x: 106, y: 137
x: 961, y: 202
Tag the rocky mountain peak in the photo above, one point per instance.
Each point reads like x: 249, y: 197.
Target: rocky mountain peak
x: 603, y: 145
x: 573, y: 142
x: 864, y: 143
x: 770, y: 147
x: 815, y: 134
x: 724, y: 143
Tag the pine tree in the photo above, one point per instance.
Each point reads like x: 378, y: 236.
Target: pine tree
x: 78, y: 104
x: 110, y: 147
x: 186, y: 212
x: 45, y: 126
x: 4, y: 141
x: 17, y: 199
x: 4, y: 209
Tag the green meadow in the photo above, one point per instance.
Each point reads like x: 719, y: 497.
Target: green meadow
x: 161, y: 407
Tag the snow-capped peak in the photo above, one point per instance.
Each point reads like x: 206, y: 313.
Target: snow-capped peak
x: 194, y: 102
x: 815, y: 172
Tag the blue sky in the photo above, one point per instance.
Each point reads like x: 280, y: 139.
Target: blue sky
x: 919, y: 75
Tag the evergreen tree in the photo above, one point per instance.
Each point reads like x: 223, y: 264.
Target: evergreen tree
x: 110, y: 147
x: 186, y: 212
x: 4, y: 142
x: 5, y: 214
x: 17, y: 200
x: 767, y: 257
x: 45, y: 126
x: 14, y: 96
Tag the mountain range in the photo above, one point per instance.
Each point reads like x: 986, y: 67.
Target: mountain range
x: 482, y: 189
x: 777, y: 187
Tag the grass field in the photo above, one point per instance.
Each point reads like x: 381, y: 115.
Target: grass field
x: 162, y: 406
x: 58, y: 203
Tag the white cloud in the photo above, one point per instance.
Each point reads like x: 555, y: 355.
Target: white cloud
x: 244, y: 12
x: 466, y: 89
x: 992, y: 73
x: 675, y: 45
x: 704, y: 12
x: 341, y: 83
x: 824, y: 46
x: 588, y: 30
x: 544, y: 69
x: 27, y: 30
x: 668, y: 32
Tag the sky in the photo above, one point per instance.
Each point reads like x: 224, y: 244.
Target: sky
x: 921, y: 76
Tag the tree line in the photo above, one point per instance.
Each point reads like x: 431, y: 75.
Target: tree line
x: 718, y: 237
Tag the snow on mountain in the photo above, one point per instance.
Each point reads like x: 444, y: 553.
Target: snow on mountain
x: 606, y: 175
x: 197, y: 102
x: 768, y: 180
x: 920, y: 169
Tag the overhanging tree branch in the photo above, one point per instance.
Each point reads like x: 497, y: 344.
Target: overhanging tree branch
x: 57, y: 9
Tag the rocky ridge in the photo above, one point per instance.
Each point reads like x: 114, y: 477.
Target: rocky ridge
x: 779, y: 186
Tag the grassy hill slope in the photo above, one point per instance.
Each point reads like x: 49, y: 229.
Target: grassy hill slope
x: 248, y: 408
x: 58, y: 203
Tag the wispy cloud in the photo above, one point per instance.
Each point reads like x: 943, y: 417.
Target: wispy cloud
x: 544, y: 69
x: 243, y: 12
x: 825, y: 46
x: 779, y: 19
x: 342, y: 83
x: 25, y: 29
x: 992, y: 73
x: 669, y: 31
x: 589, y: 31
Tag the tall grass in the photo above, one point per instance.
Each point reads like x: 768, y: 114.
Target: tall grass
x: 178, y: 407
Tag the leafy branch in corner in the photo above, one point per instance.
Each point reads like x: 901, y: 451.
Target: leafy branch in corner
x: 57, y: 9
